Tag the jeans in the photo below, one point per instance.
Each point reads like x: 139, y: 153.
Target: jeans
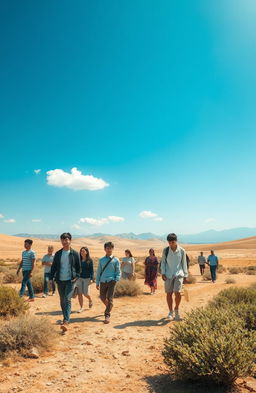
x: 65, y: 289
x: 107, y: 293
x: 46, y: 284
x: 27, y: 282
x: 213, y: 272
x: 202, y: 267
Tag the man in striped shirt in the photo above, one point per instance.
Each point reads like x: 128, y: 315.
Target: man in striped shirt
x: 27, y: 264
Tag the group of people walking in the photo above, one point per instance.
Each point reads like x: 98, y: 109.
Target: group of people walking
x: 73, y: 274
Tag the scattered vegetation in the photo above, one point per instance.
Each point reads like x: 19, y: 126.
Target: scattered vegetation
x: 235, y: 270
x: 10, y: 303
x: 24, y: 333
x: 127, y: 288
x: 38, y: 282
x: 230, y: 280
x: 190, y: 279
x: 207, y: 275
x: 221, y: 269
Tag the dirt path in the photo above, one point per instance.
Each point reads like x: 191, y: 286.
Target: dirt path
x: 89, y: 357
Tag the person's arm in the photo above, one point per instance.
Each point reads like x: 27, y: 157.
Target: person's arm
x: 53, y: 267
x: 77, y: 266
x: 117, y: 270
x: 217, y: 262
x: 91, y: 270
x: 133, y: 266
x: 163, y: 266
x: 98, y: 275
x: 184, y: 264
x: 20, y: 266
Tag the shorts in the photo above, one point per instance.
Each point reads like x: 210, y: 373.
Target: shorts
x: 173, y: 284
x: 82, y: 285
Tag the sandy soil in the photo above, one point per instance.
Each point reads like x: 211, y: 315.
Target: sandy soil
x: 91, y: 357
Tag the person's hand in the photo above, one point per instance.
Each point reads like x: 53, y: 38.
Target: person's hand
x: 164, y: 277
x: 18, y: 272
x: 97, y: 287
x: 30, y: 275
x: 185, y: 280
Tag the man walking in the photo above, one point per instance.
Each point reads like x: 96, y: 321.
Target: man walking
x: 108, y: 274
x: 27, y: 264
x: 47, y: 263
x: 65, y: 270
x: 174, y: 272
x: 201, y: 262
x: 213, y: 262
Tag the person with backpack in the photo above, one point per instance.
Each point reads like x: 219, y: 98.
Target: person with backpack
x: 108, y: 273
x: 174, y: 272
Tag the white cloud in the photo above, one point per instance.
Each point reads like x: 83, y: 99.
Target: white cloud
x: 1, y: 216
x: 76, y: 226
x: 37, y: 171
x: 149, y: 214
x: 101, y: 221
x: 74, y: 180
x: 10, y: 221
x: 211, y: 219
x: 36, y: 220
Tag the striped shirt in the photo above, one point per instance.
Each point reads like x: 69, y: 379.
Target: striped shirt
x: 27, y: 259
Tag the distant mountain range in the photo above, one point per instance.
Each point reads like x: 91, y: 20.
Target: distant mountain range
x: 211, y: 236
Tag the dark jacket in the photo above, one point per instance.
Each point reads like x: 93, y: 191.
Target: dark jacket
x: 74, y: 262
x: 87, y: 269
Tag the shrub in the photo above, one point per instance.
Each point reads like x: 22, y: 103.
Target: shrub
x: 190, y: 279
x: 23, y: 333
x: 10, y: 277
x: 210, y: 345
x: 127, y: 288
x: 221, y: 269
x: 10, y: 302
x: 140, y: 270
x: 230, y: 280
x: 207, y: 276
x: 251, y: 272
x: 38, y: 282
x: 251, y: 268
x: 234, y: 296
x: 235, y: 270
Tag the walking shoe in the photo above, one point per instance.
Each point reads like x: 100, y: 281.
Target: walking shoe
x: 64, y: 327
x: 177, y: 316
x: 53, y: 293
x: 107, y: 320
x: 44, y: 295
x: 81, y: 310
x: 30, y: 299
x: 170, y: 316
x: 90, y: 304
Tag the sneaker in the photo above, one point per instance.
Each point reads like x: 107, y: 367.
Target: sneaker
x: 170, y: 316
x: 177, y: 316
x: 107, y: 320
x: 44, y: 295
x: 64, y: 327
x: 81, y: 310
x: 53, y: 293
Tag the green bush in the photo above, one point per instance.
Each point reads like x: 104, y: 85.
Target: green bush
x: 210, y: 345
x: 251, y: 268
x: 251, y: 272
x: 38, y: 282
x: 127, y: 288
x: 10, y: 277
x: 10, y: 303
x: 234, y: 296
x: 235, y: 270
x: 23, y: 333
x: 221, y: 269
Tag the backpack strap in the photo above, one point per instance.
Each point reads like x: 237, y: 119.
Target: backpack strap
x: 106, y: 265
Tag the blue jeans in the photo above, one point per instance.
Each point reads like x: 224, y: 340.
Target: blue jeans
x: 213, y: 272
x: 46, y: 284
x: 27, y: 282
x: 65, y: 289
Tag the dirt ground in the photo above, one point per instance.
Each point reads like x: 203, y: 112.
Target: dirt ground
x: 124, y: 356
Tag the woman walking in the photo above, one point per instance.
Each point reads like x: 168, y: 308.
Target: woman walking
x: 128, y: 266
x: 151, y: 268
x: 86, y: 276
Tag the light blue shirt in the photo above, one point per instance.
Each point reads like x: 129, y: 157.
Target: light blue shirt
x: 175, y: 265
x: 65, y: 271
x: 213, y: 260
x: 27, y: 259
x: 47, y: 258
x: 112, y: 271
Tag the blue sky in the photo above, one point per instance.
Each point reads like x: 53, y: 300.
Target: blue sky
x: 157, y: 99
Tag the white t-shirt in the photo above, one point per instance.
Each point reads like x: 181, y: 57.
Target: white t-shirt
x: 128, y: 268
x: 65, y: 273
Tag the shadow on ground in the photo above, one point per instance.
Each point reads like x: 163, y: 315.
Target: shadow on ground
x: 145, y: 322
x: 164, y: 384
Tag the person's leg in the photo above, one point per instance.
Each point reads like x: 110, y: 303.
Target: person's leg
x: 81, y: 300
x: 178, y: 282
x: 46, y: 283
x: 61, y: 294
x: 103, y: 292
x: 201, y: 269
x: 169, y: 301
x: 67, y: 299
x: 25, y: 277
x: 53, y: 287
x: 213, y: 273
x: 177, y: 300
x: 110, y: 296
x: 30, y: 287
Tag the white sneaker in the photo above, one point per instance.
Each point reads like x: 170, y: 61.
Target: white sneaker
x: 170, y: 316
x: 44, y: 295
x: 177, y: 316
x: 81, y: 310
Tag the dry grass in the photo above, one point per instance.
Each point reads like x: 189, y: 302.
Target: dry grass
x: 10, y: 303
x: 127, y: 288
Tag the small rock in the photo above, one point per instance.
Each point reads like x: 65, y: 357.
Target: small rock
x: 115, y: 356
x: 126, y: 353
x: 88, y: 343
x: 48, y: 384
x: 128, y: 376
x: 152, y: 347
x: 33, y: 354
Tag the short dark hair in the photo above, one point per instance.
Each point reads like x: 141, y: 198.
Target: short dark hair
x: 109, y: 245
x: 172, y: 237
x: 65, y: 235
x: 29, y: 241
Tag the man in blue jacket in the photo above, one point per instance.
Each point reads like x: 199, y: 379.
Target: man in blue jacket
x: 108, y: 274
x: 65, y: 269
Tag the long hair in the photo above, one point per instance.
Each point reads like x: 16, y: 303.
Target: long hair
x: 88, y: 253
x: 151, y: 249
x: 129, y: 252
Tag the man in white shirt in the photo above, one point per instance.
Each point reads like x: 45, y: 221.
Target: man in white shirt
x: 174, y: 272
